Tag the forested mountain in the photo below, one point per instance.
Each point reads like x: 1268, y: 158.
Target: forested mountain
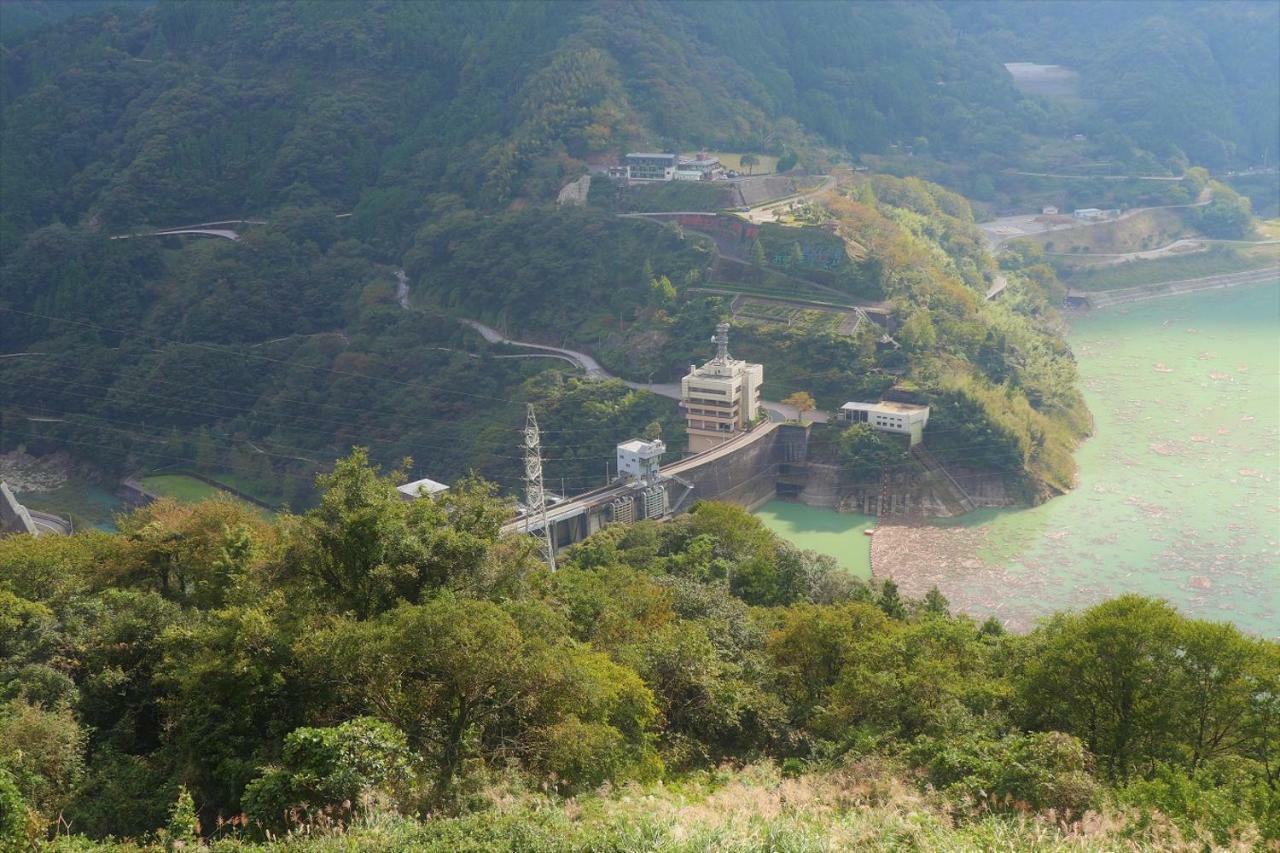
x: 205, y: 110
x: 442, y: 129
x: 1199, y: 79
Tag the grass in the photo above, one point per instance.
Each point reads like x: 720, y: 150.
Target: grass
x: 775, y: 293
x: 1269, y: 229
x: 180, y: 487
x: 866, y: 805
x: 767, y: 166
x: 1217, y: 261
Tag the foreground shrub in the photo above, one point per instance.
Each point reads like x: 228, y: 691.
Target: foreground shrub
x: 338, y: 771
x: 1036, y: 772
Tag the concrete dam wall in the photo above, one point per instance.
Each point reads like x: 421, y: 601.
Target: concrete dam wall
x: 748, y: 476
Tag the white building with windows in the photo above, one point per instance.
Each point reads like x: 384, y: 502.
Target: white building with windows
x: 640, y: 460
x: 647, y: 166
x: 706, y: 167
x: 722, y: 397
x: 901, y: 418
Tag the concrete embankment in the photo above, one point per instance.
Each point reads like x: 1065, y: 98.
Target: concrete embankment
x: 1106, y: 298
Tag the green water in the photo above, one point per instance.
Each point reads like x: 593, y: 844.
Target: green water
x: 1179, y: 488
x: 826, y: 531
x: 86, y: 504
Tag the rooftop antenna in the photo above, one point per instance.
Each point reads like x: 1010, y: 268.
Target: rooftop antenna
x: 722, y: 343
x: 535, y: 494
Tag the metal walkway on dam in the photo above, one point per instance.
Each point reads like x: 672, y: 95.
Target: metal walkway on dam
x: 740, y: 470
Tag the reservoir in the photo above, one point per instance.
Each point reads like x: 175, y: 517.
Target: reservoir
x: 836, y: 534
x: 1179, y: 487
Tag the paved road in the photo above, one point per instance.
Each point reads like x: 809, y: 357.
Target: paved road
x: 1103, y: 177
x: 225, y: 233
x: 998, y: 231
x: 587, y: 364
x: 764, y: 212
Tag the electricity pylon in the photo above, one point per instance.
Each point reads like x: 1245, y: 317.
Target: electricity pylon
x: 535, y: 495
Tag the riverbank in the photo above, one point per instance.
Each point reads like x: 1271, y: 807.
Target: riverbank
x: 1160, y: 290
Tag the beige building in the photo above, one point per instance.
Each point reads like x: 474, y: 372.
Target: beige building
x: 887, y: 416
x: 722, y: 397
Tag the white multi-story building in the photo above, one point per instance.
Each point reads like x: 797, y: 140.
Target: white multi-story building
x: 640, y: 460
x: 886, y: 416
x: 722, y: 397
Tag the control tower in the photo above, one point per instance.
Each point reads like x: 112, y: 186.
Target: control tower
x: 722, y: 397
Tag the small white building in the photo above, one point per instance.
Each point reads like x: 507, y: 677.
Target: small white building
x: 640, y: 460
x: 708, y: 168
x: 424, y: 488
x: 1049, y: 210
x: 688, y: 175
x: 886, y: 416
x: 1087, y: 213
x: 651, y: 166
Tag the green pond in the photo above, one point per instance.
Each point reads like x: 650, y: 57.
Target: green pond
x: 826, y: 531
x: 1179, y: 487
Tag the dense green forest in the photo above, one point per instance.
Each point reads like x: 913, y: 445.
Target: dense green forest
x: 264, y: 357
x: 1196, y: 81
x: 204, y: 671
x: 371, y: 138
x: 194, y: 111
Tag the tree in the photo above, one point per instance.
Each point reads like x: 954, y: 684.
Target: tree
x: 865, y: 452
x: 465, y: 682
x: 917, y: 333
x: 13, y: 814
x: 750, y: 161
x: 337, y: 769
x: 935, y: 603
x: 184, y: 827
x: 1228, y: 216
x: 1107, y: 675
x: 43, y: 751
x: 366, y: 548
x: 890, y: 602
x: 795, y: 257
x: 810, y: 647
x: 801, y: 401
x: 662, y: 292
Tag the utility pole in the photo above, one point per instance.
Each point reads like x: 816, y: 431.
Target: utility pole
x: 535, y: 495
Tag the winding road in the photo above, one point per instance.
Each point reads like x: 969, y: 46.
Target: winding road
x: 587, y: 364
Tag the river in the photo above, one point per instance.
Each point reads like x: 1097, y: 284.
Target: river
x: 1179, y: 488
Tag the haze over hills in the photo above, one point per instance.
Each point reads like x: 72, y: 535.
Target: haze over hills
x: 264, y: 252
x: 177, y: 112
